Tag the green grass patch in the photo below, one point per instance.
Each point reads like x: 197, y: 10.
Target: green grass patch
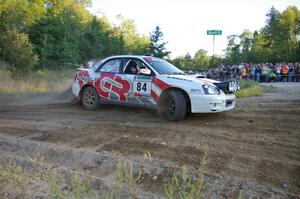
x: 249, y: 88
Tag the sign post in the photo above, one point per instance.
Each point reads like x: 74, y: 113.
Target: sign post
x: 214, y: 33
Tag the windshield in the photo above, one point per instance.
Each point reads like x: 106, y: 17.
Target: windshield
x: 163, y: 67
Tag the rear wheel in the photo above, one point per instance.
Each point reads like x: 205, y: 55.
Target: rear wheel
x: 173, y: 105
x: 90, y: 98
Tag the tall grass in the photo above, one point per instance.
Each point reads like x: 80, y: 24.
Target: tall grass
x: 185, y: 186
x: 249, y: 88
x: 12, y: 177
x: 125, y: 174
x: 36, y: 82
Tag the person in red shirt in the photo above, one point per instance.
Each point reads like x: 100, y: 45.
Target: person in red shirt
x: 284, y: 72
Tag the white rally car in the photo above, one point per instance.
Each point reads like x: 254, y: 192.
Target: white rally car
x: 151, y: 82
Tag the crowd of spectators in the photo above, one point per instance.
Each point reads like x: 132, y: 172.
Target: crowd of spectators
x: 265, y: 72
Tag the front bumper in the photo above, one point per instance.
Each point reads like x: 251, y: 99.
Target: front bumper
x: 212, y: 103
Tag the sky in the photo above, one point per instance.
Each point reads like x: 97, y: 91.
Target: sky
x: 185, y: 22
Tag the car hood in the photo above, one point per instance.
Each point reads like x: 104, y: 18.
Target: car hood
x: 191, y: 78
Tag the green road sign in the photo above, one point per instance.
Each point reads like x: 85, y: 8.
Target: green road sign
x: 214, y: 32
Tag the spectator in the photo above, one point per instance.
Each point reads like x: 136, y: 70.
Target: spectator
x: 244, y: 73
x: 227, y: 72
x: 257, y: 73
x: 284, y: 72
x: 252, y: 72
x: 278, y: 72
x: 263, y: 73
x: 297, y: 72
x: 270, y: 75
x: 291, y: 73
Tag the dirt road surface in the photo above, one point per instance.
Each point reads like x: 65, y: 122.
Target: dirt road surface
x: 254, y: 148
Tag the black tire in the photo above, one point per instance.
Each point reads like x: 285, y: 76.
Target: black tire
x: 90, y: 98
x: 173, y: 105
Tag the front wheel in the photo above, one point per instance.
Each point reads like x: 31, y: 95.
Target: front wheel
x: 90, y: 98
x: 173, y: 106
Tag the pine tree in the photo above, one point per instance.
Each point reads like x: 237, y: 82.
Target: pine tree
x: 157, y: 45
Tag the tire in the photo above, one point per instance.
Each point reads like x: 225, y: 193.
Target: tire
x: 90, y: 98
x: 173, y: 105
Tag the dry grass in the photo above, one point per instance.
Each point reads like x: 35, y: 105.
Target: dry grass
x: 12, y: 177
x: 16, y: 182
x: 37, y: 82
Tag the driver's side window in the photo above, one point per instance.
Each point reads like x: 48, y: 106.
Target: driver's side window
x: 134, y: 66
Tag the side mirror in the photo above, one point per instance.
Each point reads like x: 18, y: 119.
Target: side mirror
x: 145, y: 71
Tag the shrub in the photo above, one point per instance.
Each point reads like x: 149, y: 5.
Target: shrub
x: 16, y: 49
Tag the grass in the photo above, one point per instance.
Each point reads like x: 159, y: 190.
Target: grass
x: 249, y: 88
x: 76, y: 187
x: 36, y: 82
x: 16, y: 182
x: 185, y: 186
x: 12, y: 177
x: 125, y: 174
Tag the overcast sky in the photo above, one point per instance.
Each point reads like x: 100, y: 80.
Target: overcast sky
x: 185, y: 22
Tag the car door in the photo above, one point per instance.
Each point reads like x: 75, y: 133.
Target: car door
x: 140, y: 92
x: 111, y: 83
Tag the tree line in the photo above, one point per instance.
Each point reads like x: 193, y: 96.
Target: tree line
x: 47, y: 34
x: 53, y: 34
x: 277, y: 41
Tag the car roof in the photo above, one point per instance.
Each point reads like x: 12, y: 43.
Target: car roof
x: 144, y: 57
x: 132, y: 56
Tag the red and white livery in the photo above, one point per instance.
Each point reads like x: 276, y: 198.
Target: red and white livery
x: 151, y: 82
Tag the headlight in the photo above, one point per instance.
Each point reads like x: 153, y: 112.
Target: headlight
x: 210, y: 89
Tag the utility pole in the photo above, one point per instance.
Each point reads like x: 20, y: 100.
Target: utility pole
x: 214, y: 45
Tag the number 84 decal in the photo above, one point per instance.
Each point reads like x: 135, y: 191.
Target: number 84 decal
x: 142, y: 87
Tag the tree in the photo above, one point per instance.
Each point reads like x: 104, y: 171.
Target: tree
x: 233, y: 54
x: 157, y: 45
x: 56, y: 39
x: 94, y: 41
x: 201, y: 59
x: 134, y: 43
x: 246, y: 39
x: 285, y: 41
x: 275, y: 42
x: 57, y: 35
x: 270, y: 30
x: 16, y: 49
x: 20, y: 14
x: 259, y: 52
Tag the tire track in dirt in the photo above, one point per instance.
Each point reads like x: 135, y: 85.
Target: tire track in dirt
x: 257, y: 145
